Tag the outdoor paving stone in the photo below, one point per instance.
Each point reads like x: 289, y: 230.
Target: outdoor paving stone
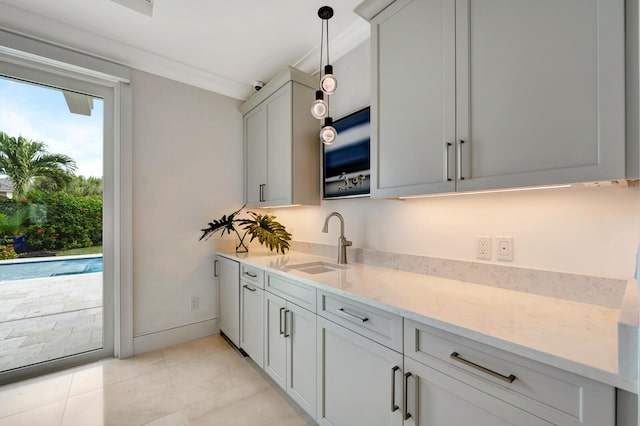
x: 46, y: 310
x: 30, y: 329
x: 46, y: 337
x: 72, y: 324
x: 7, y: 345
x: 81, y: 348
x: 96, y: 336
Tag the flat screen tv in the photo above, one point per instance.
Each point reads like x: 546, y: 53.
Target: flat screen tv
x: 346, y: 163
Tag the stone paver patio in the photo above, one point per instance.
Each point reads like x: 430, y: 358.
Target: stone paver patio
x: 48, y: 318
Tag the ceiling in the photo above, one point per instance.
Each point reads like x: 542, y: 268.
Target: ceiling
x: 219, y: 45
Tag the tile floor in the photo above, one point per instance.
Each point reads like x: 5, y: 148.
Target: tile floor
x: 202, y: 382
x: 47, y: 318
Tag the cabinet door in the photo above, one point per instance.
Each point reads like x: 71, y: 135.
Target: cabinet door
x: 540, y: 92
x: 229, y: 279
x: 301, y: 357
x: 255, y: 132
x: 413, y: 115
x: 278, y: 157
x: 275, y: 350
x: 251, y: 325
x: 359, y: 381
x: 433, y: 398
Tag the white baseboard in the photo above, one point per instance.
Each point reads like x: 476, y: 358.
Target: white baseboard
x: 173, y: 336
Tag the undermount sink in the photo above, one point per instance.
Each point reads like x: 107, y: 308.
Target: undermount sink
x: 314, y: 268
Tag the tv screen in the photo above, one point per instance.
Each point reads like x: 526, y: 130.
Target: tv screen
x: 346, y: 163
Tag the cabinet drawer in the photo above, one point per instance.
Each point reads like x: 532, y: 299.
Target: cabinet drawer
x: 252, y: 274
x: 555, y: 395
x: 378, y: 325
x: 301, y: 294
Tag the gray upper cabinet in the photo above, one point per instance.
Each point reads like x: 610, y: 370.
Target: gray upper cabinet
x: 414, y: 107
x: 487, y: 94
x: 282, y: 147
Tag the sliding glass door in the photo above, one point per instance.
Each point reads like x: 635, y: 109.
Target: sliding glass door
x: 56, y: 224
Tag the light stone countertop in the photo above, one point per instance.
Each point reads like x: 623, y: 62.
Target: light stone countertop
x: 577, y: 337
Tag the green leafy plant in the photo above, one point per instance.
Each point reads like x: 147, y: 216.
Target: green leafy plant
x: 54, y: 220
x: 13, y: 224
x: 264, y: 227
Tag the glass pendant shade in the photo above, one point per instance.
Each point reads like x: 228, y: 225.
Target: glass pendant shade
x: 329, y: 84
x: 328, y: 133
x: 319, y: 108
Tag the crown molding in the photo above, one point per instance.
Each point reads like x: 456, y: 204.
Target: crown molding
x: 341, y: 44
x: 62, y: 35
x: 66, y: 36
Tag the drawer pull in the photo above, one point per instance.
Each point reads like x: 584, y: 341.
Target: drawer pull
x: 460, y: 175
x: 509, y: 379
x: 249, y: 288
x: 249, y: 274
x: 285, y: 323
x: 405, y: 409
x: 262, y: 192
x: 394, y: 407
x: 446, y: 161
x: 349, y: 314
x: 215, y: 268
x: 281, y: 329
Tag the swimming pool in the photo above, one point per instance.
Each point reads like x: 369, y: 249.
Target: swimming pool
x: 49, y: 268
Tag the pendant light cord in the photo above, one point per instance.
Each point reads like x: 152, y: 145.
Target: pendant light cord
x: 321, y: 43
x: 328, y: 42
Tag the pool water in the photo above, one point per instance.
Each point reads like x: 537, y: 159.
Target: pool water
x: 49, y: 268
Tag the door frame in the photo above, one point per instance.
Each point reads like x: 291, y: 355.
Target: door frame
x: 32, y: 60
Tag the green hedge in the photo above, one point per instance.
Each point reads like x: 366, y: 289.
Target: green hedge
x: 58, y: 220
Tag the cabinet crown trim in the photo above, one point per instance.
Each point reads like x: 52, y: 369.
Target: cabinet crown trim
x: 282, y: 78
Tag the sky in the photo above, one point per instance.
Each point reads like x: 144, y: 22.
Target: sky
x: 41, y: 113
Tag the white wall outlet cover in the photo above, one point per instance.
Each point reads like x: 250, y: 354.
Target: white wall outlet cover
x: 505, y: 248
x: 483, y: 247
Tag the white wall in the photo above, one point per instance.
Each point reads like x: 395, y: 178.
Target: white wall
x: 594, y: 231
x: 187, y: 170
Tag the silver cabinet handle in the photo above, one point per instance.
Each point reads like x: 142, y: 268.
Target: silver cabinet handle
x: 249, y: 288
x: 405, y: 411
x: 394, y: 407
x: 281, y: 329
x: 215, y: 268
x: 446, y: 160
x: 460, y: 143
x: 249, y: 274
x: 287, y: 322
x: 509, y: 379
x: 349, y: 314
x: 262, y: 192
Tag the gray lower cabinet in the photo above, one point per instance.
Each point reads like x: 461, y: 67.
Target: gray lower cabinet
x: 359, y: 380
x: 488, y: 383
x: 355, y: 364
x: 251, y: 324
x: 434, y: 398
x: 290, y: 349
x: 228, y: 272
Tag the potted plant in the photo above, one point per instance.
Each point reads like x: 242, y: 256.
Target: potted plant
x: 264, y: 227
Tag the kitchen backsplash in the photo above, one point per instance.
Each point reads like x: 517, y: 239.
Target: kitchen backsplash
x: 601, y: 291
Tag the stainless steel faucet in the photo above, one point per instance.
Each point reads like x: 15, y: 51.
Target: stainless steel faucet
x: 343, y: 243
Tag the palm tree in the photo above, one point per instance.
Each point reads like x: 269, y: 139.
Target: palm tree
x: 22, y: 159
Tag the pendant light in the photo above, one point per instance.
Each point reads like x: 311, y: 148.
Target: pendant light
x: 328, y: 133
x: 327, y: 83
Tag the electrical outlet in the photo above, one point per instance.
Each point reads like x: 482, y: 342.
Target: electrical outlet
x: 483, y: 248
x: 505, y: 248
x: 195, y: 302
